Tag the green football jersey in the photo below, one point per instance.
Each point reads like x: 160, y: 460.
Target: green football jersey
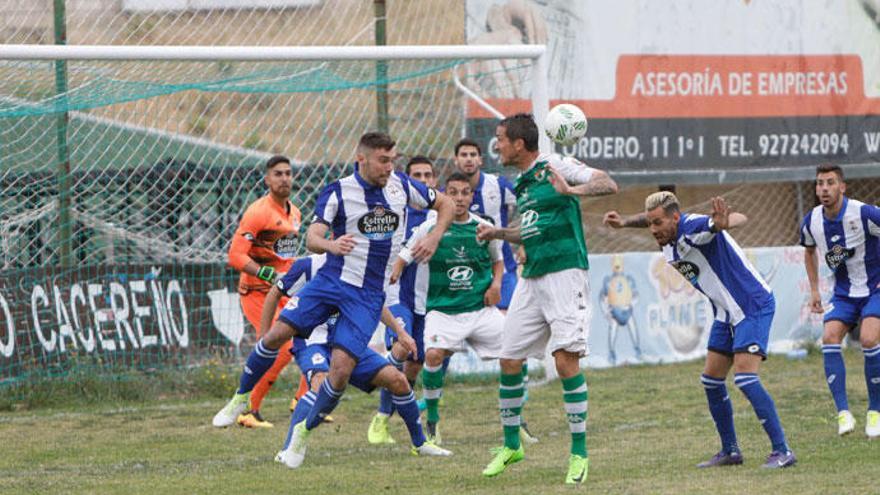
x: 460, y: 272
x: 550, y: 223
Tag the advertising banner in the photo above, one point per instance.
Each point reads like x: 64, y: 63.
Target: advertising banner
x: 139, y: 316
x: 150, y: 316
x: 694, y: 88
x: 644, y: 311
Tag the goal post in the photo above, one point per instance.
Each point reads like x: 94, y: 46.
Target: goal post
x: 165, y: 148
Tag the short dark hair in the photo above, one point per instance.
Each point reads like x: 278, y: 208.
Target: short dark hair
x: 417, y: 160
x: 457, y: 177
x: 468, y: 142
x: 275, y: 160
x: 375, y: 141
x: 521, y: 126
x: 826, y: 168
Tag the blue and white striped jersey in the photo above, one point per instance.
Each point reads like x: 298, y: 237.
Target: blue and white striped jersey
x: 716, y: 266
x: 494, y: 200
x: 849, y: 244
x: 376, y: 218
x: 302, y: 270
x: 405, y: 292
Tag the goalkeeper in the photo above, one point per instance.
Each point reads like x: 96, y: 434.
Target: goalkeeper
x: 262, y: 249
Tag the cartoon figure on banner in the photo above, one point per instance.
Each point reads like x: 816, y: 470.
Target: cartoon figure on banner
x: 682, y: 313
x: 617, y: 298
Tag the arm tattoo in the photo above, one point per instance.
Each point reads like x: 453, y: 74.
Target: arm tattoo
x: 638, y: 221
x: 597, y: 187
x: 600, y: 187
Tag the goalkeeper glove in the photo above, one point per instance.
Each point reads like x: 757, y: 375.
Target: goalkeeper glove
x: 267, y: 273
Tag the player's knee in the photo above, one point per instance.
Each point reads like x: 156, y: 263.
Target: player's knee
x: 278, y: 335
x: 399, y: 351
x: 511, y: 366
x: 317, y: 380
x: 397, y: 384
x: 868, y: 341
x: 337, y: 382
x: 833, y: 334
x: 412, y: 369
x: 434, y: 357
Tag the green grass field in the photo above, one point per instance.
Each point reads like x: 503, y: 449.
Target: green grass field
x: 647, y: 428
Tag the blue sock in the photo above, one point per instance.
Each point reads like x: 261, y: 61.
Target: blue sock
x: 325, y: 402
x: 872, y: 376
x: 722, y: 412
x: 765, y: 409
x: 258, y: 363
x: 835, y: 375
x: 446, y: 364
x: 300, y: 412
x: 409, y: 411
x: 386, y: 406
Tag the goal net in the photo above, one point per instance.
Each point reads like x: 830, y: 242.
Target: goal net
x: 122, y: 181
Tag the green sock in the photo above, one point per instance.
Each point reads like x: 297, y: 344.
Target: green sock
x: 511, y: 399
x: 432, y: 381
x: 574, y: 395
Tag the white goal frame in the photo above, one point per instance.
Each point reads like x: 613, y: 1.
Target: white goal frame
x: 536, y: 53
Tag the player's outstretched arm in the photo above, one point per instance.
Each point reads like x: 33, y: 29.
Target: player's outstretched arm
x: 508, y: 234
x: 811, y: 263
x: 723, y: 218
x: 599, y: 182
x: 317, y: 242
x: 425, y: 248
x: 269, y: 306
x: 615, y: 220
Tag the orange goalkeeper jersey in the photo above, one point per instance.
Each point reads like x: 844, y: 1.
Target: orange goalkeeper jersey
x: 266, y: 234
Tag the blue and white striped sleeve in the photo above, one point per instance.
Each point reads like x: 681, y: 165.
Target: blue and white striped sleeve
x: 419, y: 195
x: 327, y: 205
x: 292, y: 281
x: 871, y: 215
x: 698, y: 229
x: 806, y: 237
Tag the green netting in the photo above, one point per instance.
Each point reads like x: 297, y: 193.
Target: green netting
x: 31, y: 86
x: 119, y: 197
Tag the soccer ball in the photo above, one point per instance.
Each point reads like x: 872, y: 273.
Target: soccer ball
x: 565, y: 124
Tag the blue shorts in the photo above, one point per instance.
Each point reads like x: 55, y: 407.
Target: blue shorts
x: 359, y: 311
x: 313, y: 359
x: 851, y: 310
x: 414, y: 324
x: 751, y: 335
x: 508, y: 283
x: 316, y: 359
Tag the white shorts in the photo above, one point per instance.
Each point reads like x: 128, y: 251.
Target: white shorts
x: 481, y: 329
x: 548, y: 313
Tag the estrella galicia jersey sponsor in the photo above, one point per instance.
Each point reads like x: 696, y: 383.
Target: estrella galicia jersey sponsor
x: 849, y: 244
x: 376, y: 217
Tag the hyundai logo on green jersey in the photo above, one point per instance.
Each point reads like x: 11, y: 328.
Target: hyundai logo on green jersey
x: 460, y: 273
x: 529, y: 218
